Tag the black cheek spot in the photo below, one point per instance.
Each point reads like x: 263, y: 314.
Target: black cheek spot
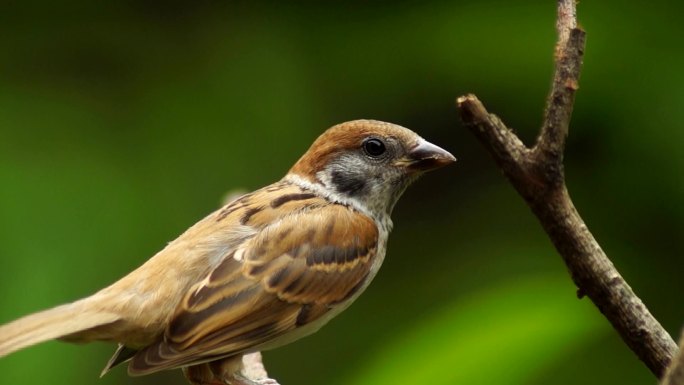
x: 347, y: 184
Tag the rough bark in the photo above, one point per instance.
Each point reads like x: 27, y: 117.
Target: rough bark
x: 675, y: 373
x: 537, y: 174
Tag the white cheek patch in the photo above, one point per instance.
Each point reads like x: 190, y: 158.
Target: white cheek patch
x: 326, y: 193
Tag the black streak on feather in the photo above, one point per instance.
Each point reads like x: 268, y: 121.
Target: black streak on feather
x: 293, y: 287
x: 188, y: 320
x: 327, y: 255
x: 233, y: 206
x: 303, y: 316
x: 256, y: 270
x: 276, y: 278
x: 249, y: 213
x: 281, y: 200
x: 228, y: 210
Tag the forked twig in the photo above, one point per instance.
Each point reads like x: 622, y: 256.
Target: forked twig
x: 537, y: 174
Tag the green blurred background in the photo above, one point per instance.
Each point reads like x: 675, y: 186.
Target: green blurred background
x: 122, y: 123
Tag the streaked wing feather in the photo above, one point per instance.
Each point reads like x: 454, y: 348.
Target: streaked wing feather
x: 307, y: 256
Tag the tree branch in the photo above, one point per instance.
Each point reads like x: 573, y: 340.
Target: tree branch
x: 675, y: 373
x: 537, y: 174
x: 569, y: 52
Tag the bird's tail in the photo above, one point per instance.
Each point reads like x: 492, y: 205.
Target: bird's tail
x: 65, y: 321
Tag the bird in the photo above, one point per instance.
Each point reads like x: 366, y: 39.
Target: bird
x: 266, y: 269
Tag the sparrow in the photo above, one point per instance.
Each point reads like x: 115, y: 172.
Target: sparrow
x: 270, y: 267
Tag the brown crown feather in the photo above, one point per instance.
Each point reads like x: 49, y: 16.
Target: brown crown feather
x: 346, y: 136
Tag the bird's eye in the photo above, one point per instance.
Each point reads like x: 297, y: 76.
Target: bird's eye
x: 374, y: 147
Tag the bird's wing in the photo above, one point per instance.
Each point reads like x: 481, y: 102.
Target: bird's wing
x: 290, y: 274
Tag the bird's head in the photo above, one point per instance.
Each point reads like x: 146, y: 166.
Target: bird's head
x: 369, y: 162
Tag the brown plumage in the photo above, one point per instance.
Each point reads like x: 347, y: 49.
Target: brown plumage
x: 269, y: 268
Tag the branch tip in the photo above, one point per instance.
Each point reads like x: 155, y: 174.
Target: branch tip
x: 471, y: 109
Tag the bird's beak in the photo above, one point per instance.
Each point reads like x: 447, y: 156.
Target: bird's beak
x: 425, y: 156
